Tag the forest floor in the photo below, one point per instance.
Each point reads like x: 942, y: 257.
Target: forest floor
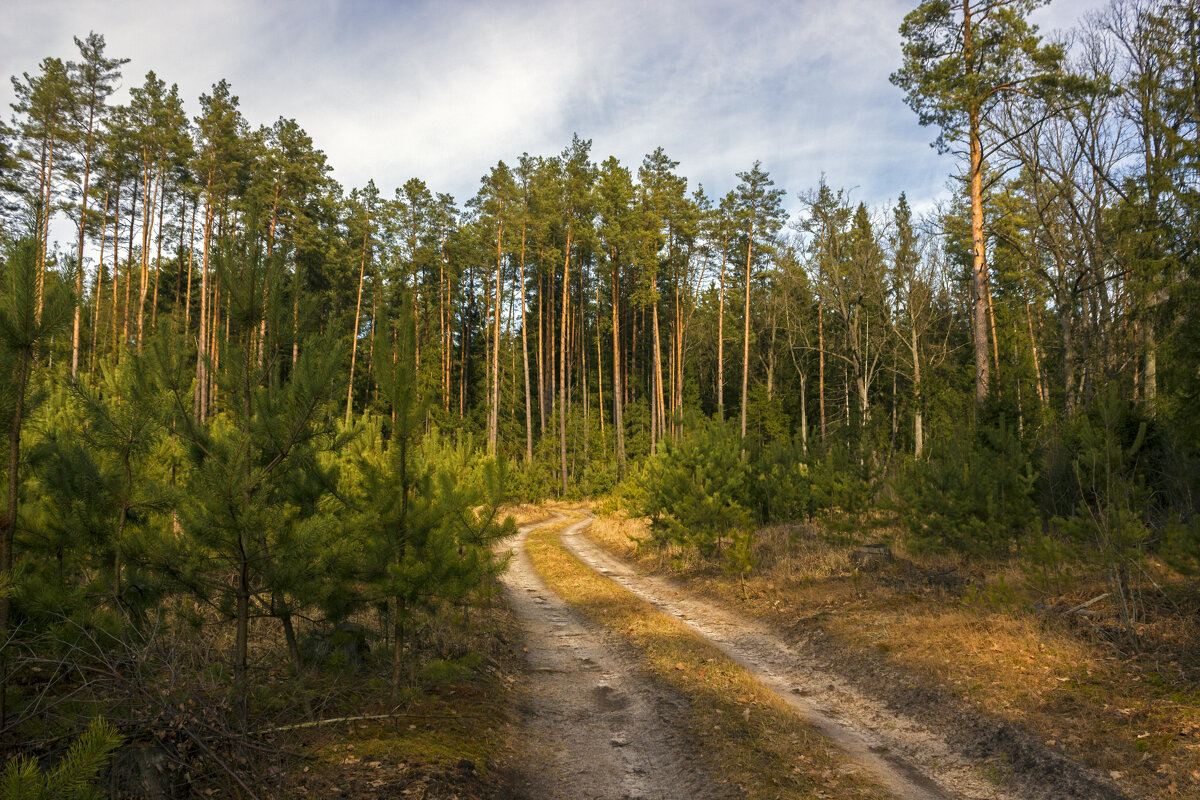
x: 1043, y: 700
x: 628, y: 673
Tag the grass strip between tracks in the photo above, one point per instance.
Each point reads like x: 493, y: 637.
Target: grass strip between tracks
x: 756, y: 742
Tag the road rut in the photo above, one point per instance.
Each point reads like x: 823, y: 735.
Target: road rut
x: 910, y: 760
x: 596, y: 725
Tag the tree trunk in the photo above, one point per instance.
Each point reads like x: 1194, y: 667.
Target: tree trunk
x: 494, y: 398
x: 525, y: 358
x: 443, y: 328
x: 116, y: 267
x: 99, y: 285
x: 918, y: 398
x: 362, y: 271
x: 129, y: 269
x: 162, y: 202
x: 187, y: 303
x: 979, y: 276
x: 617, y: 391
x: 562, y: 363
x: 660, y: 417
x: 44, y: 229
x: 1151, y: 376
x: 804, y: 411
x: 200, y: 411
x: 541, y: 350
x: 87, y: 171
x: 149, y: 205
x: 746, y: 334
x: 721, y: 333
x: 600, y: 373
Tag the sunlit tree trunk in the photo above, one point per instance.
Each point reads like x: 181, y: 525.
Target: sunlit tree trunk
x: 617, y: 392
x: 494, y: 397
x: 525, y: 359
x: 362, y: 271
x: 83, y: 201
x: 979, y: 278
x: 99, y: 287
x: 158, y: 260
x: 821, y: 367
x: 746, y: 333
x: 562, y: 362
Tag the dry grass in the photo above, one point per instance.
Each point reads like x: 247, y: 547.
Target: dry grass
x: 749, y: 732
x: 1136, y: 718
x: 524, y: 513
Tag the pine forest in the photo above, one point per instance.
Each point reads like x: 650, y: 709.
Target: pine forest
x: 295, y: 470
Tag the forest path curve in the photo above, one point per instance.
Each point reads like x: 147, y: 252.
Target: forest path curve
x: 908, y: 758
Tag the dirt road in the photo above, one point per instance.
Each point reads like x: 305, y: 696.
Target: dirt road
x: 595, y: 725
x: 599, y: 727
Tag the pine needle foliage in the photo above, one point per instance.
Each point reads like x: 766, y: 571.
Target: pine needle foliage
x: 72, y: 778
x: 693, y: 489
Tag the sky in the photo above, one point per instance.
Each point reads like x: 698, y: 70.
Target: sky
x: 442, y: 90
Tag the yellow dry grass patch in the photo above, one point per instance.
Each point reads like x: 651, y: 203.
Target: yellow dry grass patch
x: 1137, y: 720
x: 755, y: 740
x: 525, y: 513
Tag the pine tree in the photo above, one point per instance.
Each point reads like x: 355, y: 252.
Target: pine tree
x: 694, y: 489
x: 93, y: 81
x: 236, y: 502
x: 760, y: 217
x: 960, y: 62
x: 427, y: 521
x: 44, y: 112
x: 27, y: 321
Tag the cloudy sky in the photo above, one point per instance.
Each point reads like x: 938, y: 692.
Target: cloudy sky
x: 441, y: 90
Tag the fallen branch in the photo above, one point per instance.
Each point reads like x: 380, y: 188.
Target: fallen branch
x: 1082, y: 606
x: 363, y: 718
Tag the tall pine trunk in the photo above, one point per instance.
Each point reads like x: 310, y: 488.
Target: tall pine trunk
x: 98, y: 289
x: 617, y: 392
x: 746, y: 333
x: 525, y: 356
x: 721, y: 332
x: 562, y: 363
x: 83, y: 200
x: 494, y: 397
x: 362, y: 271
x: 979, y: 280
x: 200, y: 410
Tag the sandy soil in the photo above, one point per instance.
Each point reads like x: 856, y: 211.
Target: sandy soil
x: 904, y: 752
x: 595, y: 725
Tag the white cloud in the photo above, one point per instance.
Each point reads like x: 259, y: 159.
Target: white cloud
x: 441, y: 91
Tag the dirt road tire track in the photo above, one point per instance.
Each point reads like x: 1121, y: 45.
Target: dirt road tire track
x: 595, y: 725
x: 906, y: 755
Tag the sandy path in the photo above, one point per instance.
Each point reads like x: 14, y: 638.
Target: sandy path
x: 595, y: 726
x: 909, y: 759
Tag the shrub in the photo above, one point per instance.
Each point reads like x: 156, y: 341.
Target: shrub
x: 975, y: 493
x: 692, y: 489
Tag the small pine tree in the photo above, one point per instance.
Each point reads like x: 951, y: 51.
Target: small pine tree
x: 429, y: 512
x: 693, y: 489
x: 72, y: 778
x: 975, y: 493
x: 28, y: 318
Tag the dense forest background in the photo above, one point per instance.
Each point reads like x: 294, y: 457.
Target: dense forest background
x: 244, y: 392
